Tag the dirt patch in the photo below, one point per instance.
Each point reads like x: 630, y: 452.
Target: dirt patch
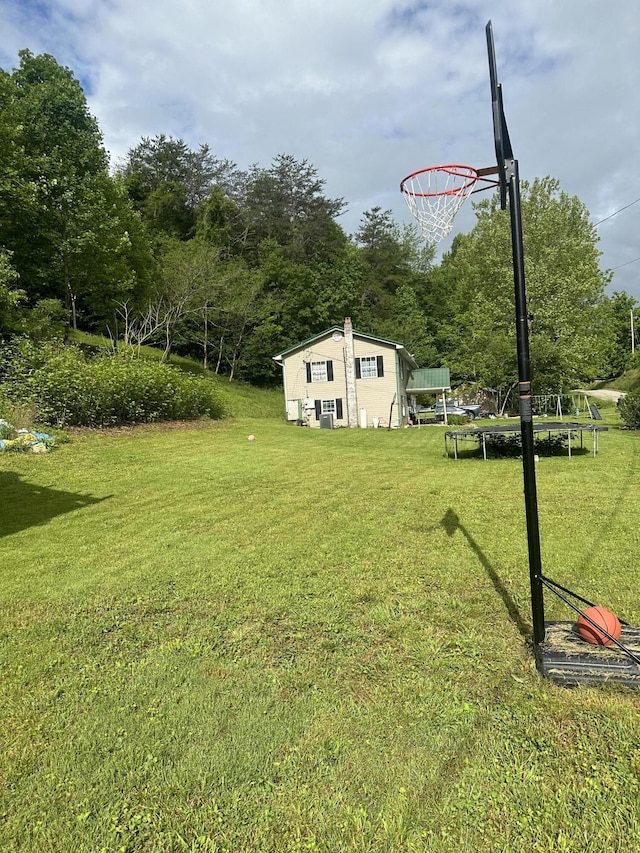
x: 129, y: 429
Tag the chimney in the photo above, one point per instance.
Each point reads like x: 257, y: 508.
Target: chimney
x: 350, y: 374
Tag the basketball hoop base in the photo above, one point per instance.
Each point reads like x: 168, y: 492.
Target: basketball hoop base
x: 565, y: 658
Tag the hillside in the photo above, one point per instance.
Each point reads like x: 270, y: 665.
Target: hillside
x: 240, y: 398
x: 243, y: 399
x: 629, y: 381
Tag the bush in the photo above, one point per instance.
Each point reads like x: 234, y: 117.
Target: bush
x: 19, y: 360
x: 457, y: 420
x: 70, y: 389
x: 505, y: 446
x: 510, y: 446
x: 629, y: 408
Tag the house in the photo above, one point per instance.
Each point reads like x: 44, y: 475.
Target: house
x: 346, y: 378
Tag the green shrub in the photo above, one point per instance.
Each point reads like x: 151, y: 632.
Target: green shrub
x: 505, y: 446
x: 510, y: 446
x: 457, y: 420
x: 71, y: 389
x: 629, y: 408
x: 633, y: 361
x: 551, y: 445
x: 19, y: 361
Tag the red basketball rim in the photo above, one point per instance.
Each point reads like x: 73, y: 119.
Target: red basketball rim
x: 467, y: 173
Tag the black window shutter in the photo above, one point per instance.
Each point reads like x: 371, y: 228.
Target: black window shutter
x: 318, y: 405
x: 358, y: 374
x: 329, y: 371
x: 308, y: 371
x: 380, y: 365
x: 338, y: 409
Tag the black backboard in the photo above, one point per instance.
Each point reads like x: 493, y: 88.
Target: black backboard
x: 504, y: 154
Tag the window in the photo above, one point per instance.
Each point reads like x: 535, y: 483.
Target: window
x: 329, y: 407
x: 369, y: 367
x: 319, y: 371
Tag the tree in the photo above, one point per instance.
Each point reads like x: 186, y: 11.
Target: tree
x: 68, y: 226
x: 443, y: 300
x: 382, y: 260
x: 104, y: 251
x: 286, y: 204
x: 408, y: 325
x: 58, y: 151
x: 568, y: 321
x: 281, y: 225
x: 11, y: 297
x: 190, y: 271
x: 394, y: 260
x: 239, y: 317
x: 622, y: 309
x: 168, y: 182
x: 221, y: 222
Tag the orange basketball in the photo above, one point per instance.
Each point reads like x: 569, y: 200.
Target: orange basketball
x: 604, y: 619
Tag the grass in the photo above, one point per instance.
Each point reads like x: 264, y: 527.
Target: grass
x: 210, y: 644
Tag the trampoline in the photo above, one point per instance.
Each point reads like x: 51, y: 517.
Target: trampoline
x: 479, y: 434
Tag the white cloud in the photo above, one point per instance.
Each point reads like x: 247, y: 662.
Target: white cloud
x: 367, y: 92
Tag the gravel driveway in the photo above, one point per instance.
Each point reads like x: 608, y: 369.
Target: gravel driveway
x: 604, y: 394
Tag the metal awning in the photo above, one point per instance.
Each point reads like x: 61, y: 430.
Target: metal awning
x: 428, y: 380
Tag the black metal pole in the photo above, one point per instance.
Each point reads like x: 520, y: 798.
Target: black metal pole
x: 526, y: 416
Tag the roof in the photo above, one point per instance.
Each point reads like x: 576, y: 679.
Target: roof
x: 429, y: 379
x: 362, y: 335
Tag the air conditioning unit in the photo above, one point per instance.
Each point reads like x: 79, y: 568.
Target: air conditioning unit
x: 326, y: 421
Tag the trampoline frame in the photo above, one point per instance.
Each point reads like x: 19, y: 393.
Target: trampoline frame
x: 480, y: 433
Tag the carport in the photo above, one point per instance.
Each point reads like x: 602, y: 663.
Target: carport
x: 429, y: 380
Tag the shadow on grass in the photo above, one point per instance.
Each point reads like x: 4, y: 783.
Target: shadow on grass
x: 27, y: 505
x: 451, y: 523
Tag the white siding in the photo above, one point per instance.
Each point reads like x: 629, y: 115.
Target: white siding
x: 295, y: 378
x: 374, y: 394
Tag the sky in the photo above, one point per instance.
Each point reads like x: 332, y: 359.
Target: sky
x: 367, y: 91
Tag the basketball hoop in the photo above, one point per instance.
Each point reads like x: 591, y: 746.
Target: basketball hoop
x: 436, y: 194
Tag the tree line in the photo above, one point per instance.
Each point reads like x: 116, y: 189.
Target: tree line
x: 183, y: 249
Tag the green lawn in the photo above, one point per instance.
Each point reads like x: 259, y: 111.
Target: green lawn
x: 211, y: 644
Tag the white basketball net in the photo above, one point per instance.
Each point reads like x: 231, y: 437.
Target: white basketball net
x: 435, y: 195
